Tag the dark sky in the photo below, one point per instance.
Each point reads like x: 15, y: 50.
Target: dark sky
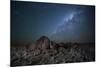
x: 59, y: 22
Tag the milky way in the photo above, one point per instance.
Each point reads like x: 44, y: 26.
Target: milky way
x: 66, y: 24
x: 59, y: 22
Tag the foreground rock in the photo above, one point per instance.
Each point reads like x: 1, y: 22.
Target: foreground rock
x: 44, y: 51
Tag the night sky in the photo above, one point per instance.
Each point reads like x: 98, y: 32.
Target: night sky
x: 59, y: 22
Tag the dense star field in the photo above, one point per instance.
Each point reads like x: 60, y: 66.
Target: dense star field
x: 45, y: 33
x: 60, y: 22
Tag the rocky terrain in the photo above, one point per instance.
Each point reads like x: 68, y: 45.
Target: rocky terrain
x: 45, y: 51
